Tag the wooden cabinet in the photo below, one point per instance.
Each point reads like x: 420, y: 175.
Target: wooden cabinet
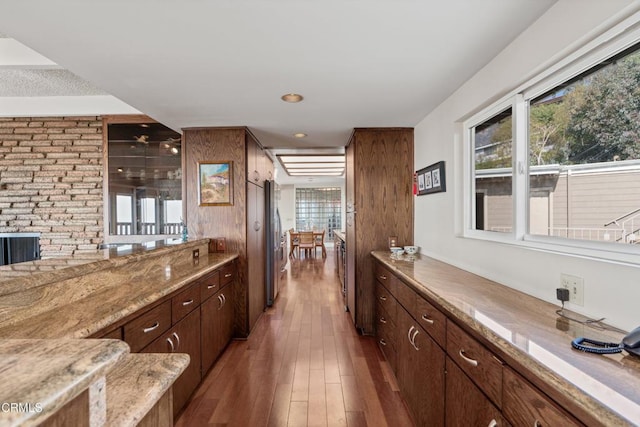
x: 525, y: 405
x: 446, y: 376
x: 466, y: 405
x: 184, y: 337
x: 379, y: 199
x: 217, y: 314
x: 420, y: 371
x: 241, y: 223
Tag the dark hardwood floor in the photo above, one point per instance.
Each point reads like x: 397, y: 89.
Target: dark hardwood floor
x: 303, y: 365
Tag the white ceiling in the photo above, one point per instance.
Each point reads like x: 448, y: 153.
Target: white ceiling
x: 358, y: 63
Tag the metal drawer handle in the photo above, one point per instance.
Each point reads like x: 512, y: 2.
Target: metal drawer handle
x: 426, y: 319
x: 188, y: 302
x: 383, y: 320
x: 228, y: 275
x: 537, y: 423
x: 224, y: 300
x: 413, y: 339
x: 177, y: 339
x: 383, y: 298
x: 472, y: 362
x: 220, y: 299
x: 211, y: 286
x: 382, y: 342
x: 409, y: 333
x: 171, y: 345
x: 493, y: 423
x: 383, y: 277
x: 151, y: 328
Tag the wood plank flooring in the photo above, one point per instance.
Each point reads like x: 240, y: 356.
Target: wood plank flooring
x: 303, y: 365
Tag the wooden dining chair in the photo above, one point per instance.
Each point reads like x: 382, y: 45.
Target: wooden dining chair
x: 319, y: 242
x: 293, y: 242
x: 306, y: 242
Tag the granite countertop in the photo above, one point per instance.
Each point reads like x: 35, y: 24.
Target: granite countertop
x: 80, y: 311
x: 43, y: 375
x: 151, y: 372
x: 527, y: 333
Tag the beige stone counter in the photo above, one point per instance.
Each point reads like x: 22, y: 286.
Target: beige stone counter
x: 93, y: 299
x: 340, y: 235
x: 40, y: 376
x: 528, y: 334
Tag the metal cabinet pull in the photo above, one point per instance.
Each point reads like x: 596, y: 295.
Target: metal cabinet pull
x: 224, y: 300
x: 383, y: 320
x: 492, y: 423
x: 220, y: 299
x: 537, y: 423
x: 383, y: 298
x: 171, y: 345
x: 409, y: 333
x: 426, y: 319
x: 471, y: 362
x: 227, y: 275
x: 187, y: 302
x: 177, y: 340
x: 211, y: 286
x: 151, y: 328
x: 382, y: 342
x: 383, y: 277
x: 413, y: 339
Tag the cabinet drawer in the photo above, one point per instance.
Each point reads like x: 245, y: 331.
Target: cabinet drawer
x: 227, y: 274
x: 386, y: 301
x: 476, y: 361
x: 407, y: 297
x: 145, y: 328
x: 183, y: 303
x: 209, y: 285
x: 385, y: 327
x: 525, y: 405
x: 388, y: 280
x: 432, y: 320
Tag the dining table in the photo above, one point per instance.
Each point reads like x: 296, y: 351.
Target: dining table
x: 294, y: 235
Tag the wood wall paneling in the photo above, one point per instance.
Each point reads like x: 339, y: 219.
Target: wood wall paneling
x: 379, y: 181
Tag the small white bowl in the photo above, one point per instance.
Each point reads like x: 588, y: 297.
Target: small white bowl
x: 411, y: 249
x: 397, y: 250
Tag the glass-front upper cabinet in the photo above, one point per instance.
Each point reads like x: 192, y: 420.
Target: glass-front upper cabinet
x: 144, y: 180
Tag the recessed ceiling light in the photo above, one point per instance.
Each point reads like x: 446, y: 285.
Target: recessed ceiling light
x: 292, y: 97
x: 299, y: 135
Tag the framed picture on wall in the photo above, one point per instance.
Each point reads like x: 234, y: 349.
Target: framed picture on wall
x: 433, y: 177
x: 215, y: 183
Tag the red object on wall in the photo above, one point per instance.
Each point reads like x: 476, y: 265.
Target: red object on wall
x: 415, y: 183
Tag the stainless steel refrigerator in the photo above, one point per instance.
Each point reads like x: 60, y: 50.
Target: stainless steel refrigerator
x: 276, y: 260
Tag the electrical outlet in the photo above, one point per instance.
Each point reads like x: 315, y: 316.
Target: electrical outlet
x: 196, y: 253
x: 575, y: 285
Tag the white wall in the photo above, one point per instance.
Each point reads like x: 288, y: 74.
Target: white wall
x: 611, y: 290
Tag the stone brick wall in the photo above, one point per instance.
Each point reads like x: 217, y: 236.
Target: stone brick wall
x: 51, y: 181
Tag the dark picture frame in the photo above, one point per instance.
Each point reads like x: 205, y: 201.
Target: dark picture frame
x: 215, y: 183
x: 432, y: 179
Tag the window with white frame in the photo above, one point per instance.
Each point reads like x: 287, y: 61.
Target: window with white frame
x: 575, y: 180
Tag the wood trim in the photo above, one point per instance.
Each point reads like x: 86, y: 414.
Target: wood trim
x: 127, y: 119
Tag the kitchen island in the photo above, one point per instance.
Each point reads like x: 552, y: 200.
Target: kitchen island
x: 55, y: 304
x: 530, y: 368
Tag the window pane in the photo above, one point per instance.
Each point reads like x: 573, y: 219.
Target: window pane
x: 493, y: 173
x: 584, y: 149
x: 319, y: 209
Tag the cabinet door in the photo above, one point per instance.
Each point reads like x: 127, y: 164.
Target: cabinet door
x: 210, y: 330
x: 420, y: 367
x: 184, y: 337
x: 466, y: 405
x: 253, y: 175
x: 227, y: 316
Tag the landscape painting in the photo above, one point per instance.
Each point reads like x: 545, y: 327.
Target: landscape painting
x: 215, y: 183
